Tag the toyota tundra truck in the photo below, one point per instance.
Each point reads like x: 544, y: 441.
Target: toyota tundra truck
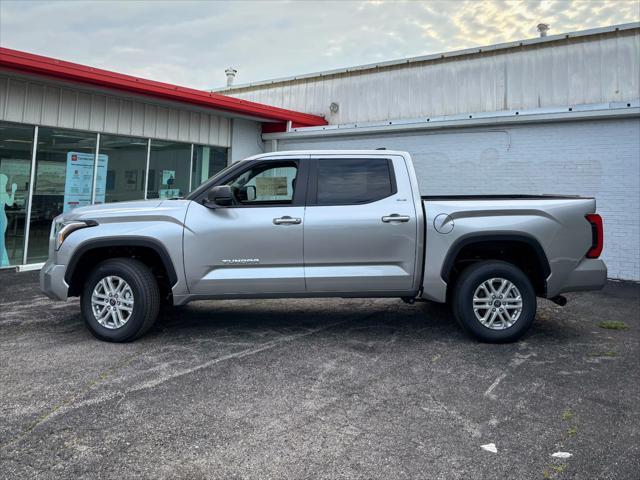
x: 325, y: 224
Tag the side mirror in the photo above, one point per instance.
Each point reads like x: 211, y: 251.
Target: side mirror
x: 220, y: 196
x: 246, y: 194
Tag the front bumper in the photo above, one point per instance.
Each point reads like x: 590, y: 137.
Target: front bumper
x: 52, y: 281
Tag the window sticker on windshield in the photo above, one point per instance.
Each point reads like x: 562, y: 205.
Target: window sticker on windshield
x: 273, y: 186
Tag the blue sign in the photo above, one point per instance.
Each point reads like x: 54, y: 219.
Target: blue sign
x: 77, y: 185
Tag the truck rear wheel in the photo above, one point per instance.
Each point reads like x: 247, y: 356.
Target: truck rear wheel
x: 494, y: 301
x: 120, y: 300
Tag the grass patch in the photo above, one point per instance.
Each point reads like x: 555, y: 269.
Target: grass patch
x: 613, y: 325
x: 559, y: 468
x: 572, y: 432
x: 567, y: 415
x: 608, y: 353
x: 554, y: 470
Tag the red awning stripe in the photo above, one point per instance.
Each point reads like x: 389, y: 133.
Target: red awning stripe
x: 28, y: 62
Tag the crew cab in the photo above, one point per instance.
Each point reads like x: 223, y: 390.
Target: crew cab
x: 325, y: 224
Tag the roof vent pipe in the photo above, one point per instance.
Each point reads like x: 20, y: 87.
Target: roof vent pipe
x: 231, y: 75
x: 543, y: 28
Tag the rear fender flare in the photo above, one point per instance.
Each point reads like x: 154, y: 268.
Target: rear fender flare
x: 470, y: 239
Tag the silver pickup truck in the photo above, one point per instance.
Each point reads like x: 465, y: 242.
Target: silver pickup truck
x: 325, y: 224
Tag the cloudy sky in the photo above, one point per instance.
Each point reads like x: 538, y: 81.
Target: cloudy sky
x: 192, y: 42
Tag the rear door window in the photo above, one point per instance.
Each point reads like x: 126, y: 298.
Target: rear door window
x: 353, y: 181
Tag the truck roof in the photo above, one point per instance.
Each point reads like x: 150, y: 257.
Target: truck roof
x: 294, y: 153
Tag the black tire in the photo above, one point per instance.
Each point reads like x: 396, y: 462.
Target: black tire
x: 146, y: 296
x: 464, y: 291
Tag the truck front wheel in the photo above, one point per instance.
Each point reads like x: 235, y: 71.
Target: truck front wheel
x: 120, y: 300
x: 494, y: 301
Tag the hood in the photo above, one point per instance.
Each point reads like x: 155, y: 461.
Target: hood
x: 117, y: 209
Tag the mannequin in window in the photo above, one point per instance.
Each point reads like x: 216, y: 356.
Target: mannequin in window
x: 6, y: 199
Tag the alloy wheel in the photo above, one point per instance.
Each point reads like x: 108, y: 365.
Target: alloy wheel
x: 112, y: 302
x: 497, y: 303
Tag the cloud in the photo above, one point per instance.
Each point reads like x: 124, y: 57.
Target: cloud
x: 192, y: 42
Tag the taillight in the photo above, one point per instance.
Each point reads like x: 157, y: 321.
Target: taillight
x: 597, y: 235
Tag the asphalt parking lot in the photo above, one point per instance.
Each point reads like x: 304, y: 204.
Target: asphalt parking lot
x: 293, y: 389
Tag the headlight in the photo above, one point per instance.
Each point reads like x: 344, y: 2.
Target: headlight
x: 63, y: 229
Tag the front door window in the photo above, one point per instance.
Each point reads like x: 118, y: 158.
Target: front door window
x: 265, y: 184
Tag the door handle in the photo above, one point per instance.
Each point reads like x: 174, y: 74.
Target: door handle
x: 394, y: 217
x: 287, y: 220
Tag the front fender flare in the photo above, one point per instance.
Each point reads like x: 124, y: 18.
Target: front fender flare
x: 122, y: 241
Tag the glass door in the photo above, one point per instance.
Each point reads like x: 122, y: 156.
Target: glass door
x: 168, y: 169
x: 63, y: 181
x: 16, y: 143
x: 126, y: 163
x: 207, y: 161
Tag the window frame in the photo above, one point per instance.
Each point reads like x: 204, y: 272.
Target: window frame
x: 299, y: 193
x: 312, y: 191
x: 158, y: 178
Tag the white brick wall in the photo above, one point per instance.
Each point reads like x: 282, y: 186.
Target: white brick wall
x: 594, y: 158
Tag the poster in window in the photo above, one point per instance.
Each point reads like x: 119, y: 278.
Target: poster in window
x: 79, y: 179
x: 168, y: 177
x: 271, y: 186
x: 7, y: 199
x: 130, y: 179
x: 17, y: 171
x: 51, y: 177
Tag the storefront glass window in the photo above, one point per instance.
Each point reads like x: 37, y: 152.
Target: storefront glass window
x: 64, y: 178
x: 207, y: 161
x: 126, y: 159
x: 63, y: 181
x: 168, y: 169
x: 16, y: 142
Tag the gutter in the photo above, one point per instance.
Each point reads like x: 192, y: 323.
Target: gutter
x: 539, y: 115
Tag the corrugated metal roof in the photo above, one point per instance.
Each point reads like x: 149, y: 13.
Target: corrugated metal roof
x: 593, y: 67
x: 437, y: 56
x: 30, y: 63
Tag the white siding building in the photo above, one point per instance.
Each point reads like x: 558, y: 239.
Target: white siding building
x: 559, y: 114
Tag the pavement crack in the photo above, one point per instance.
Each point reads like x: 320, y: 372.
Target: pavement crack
x: 70, y: 403
x: 469, y: 426
x: 231, y: 356
x: 71, y: 399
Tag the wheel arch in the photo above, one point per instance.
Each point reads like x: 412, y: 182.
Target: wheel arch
x: 492, y: 246
x: 113, y: 247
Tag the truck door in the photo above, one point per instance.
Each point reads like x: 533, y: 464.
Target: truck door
x: 255, y: 245
x: 360, y: 225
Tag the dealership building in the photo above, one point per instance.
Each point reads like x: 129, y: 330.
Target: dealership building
x: 553, y: 114
x: 72, y: 135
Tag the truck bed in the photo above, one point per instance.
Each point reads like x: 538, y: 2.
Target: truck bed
x: 554, y: 225
x: 505, y: 197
